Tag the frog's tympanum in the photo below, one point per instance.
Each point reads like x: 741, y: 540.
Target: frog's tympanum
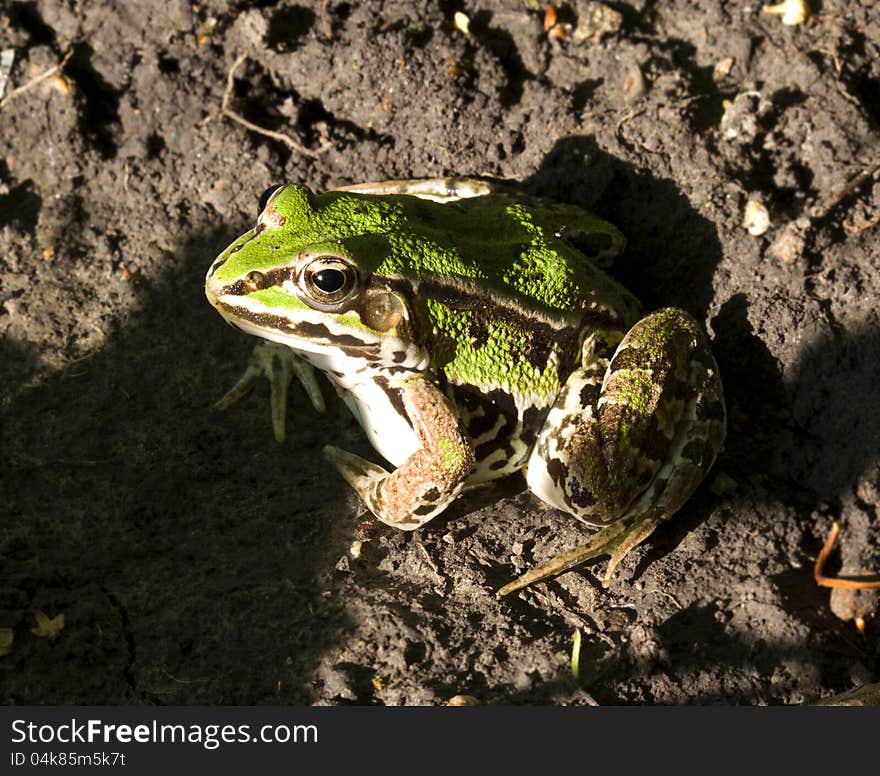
x: 473, y: 334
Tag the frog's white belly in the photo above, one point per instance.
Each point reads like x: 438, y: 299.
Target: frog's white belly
x: 386, y: 429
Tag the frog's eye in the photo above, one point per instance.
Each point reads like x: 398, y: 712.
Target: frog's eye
x: 265, y: 196
x: 327, y: 281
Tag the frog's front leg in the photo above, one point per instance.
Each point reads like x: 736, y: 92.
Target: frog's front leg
x: 629, y: 440
x: 425, y: 484
x: 279, y: 364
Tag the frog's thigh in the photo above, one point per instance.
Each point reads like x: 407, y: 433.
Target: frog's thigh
x: 632, y: 442
x: 425, y: 484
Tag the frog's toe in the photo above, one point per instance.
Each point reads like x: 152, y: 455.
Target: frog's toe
x: 360, y: 473
x: 628, y: 541
x: 608, y: 540
x: 282, y: 367
x: 242, y: 388
x: 279, y: 364
x: 308, y: 379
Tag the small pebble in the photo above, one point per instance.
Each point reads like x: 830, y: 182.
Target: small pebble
x: 793, y: 12
x: 756, y: 218
x: 634, y: 84
x: 722, y: 69
x: 462, y: 700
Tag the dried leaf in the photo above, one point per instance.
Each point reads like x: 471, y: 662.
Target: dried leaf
x: 6, y: 638
x: 48, y: 628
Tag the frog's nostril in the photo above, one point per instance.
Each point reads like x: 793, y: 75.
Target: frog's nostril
x: 265, y: 196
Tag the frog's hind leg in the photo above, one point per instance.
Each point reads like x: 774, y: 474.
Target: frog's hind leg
x: 629, y: 440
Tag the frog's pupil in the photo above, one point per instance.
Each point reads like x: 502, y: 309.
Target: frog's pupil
x: 329, y: 280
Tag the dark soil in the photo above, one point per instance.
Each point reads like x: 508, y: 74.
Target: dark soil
x: 197, y: 561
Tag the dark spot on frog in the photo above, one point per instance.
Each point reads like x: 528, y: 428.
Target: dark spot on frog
x: 478, y: 331
x: 532, y: 420
x: 395, y: 397
x: 654, y: 443
x: 590, y: 394
x: 581, y: 497
x: 477, y: 425
x: 499, y: 464
x: 431, y: 495
x: 483, y: 451
x: 503, y: 401
x: 425, y: 509
x: 556, y: 471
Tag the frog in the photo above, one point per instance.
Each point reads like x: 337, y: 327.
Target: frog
x: 474, y: 331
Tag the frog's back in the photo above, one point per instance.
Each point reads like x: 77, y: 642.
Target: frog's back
x: 511, y: 247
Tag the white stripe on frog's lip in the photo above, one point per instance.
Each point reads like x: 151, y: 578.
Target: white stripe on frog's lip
x: 316, y: 334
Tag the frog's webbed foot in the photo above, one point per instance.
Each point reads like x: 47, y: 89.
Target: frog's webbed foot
x: 280, y: 365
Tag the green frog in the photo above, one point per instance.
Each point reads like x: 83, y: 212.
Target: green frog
x: 471, y: 330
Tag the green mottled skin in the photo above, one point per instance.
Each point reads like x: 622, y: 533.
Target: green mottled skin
x: 508, y: 248
x: 464, y: 362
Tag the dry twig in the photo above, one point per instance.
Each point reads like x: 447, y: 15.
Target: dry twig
x: 836, y: 197
x: 231, y: 114
x: 25, y: 87
x: 850, y: 584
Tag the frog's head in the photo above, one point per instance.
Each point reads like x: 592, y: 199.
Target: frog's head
x: 305, y: 277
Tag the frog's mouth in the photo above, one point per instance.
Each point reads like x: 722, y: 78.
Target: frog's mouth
x: 310, y: 331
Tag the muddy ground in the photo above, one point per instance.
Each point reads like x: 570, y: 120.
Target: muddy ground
x: 197, y: 561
